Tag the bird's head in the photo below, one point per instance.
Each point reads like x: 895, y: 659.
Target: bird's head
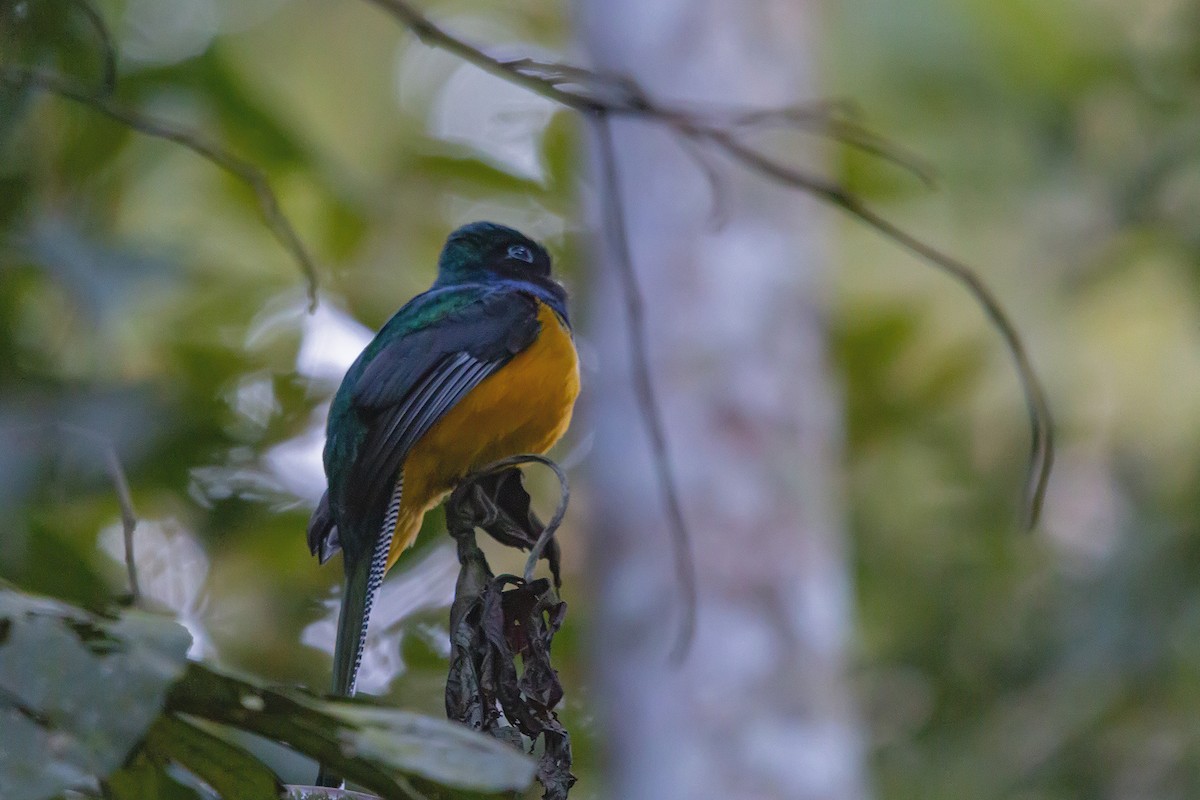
x: 485, y: 251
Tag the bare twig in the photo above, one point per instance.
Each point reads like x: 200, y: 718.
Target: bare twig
x: 874, y: 145
x: 705, y: 160
x: 560, y: 511
x: 116, y: 473
x: 268, y: 202
x: 108, y: 49
x: 1041, y: 421
x: 614, y: 213
x: 128, y: 518
x: 607, y: 95
x: 512, y: 71
x: 619, y: 95
x: 832, y: 119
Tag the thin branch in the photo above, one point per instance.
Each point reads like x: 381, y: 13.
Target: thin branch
x: 1041, y: 458
x: 128, y: 518
x: 874, y: 145
x: 560, y: 511
x: 833, y: 119
x: 116, y: 473
x: 435, y: 36
x: 268, y: 202
x: 826, y: 119
x: 614, y: 212
x: 1041, y: 422
x: 600, y: 94
x: 705, y: 160
x: 108, y: 49
x: 616, y: 94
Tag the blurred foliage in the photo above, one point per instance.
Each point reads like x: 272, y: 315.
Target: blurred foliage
x: 142, y: 298
x: 77, y: 692
x: 1067, y: 138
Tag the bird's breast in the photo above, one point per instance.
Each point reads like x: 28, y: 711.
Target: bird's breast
x: 523, y: 407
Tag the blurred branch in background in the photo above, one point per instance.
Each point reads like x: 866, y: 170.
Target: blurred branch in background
x: 268, y: 202
x: 108, y: 50
x: 614, y: 222
x: 129, y: 520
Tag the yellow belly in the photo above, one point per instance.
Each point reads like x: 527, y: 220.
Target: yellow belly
x: 525, y: 407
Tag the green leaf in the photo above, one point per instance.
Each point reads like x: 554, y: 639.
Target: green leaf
x: 232, y: 772
x: 77, y: 691
x: 387, y: 751
x: 147, y: 780
x: 437, y: 749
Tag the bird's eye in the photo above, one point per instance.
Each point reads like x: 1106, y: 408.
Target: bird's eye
x: 521, y: 253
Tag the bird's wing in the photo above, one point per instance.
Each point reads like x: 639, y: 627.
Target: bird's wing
x: 412, y: 381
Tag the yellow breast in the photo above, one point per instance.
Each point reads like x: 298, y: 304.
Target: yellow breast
x: 524, y: 407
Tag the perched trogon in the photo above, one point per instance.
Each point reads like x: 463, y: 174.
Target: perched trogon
x: 479, y: 367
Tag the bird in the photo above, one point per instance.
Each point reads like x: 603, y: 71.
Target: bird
x: 479, y: 367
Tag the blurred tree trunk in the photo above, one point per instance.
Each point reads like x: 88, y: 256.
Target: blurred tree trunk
x: 735, y: 318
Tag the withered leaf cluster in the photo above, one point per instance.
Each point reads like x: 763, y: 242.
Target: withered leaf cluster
x: 501, y: 627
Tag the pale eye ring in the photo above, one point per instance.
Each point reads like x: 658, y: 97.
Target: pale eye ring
x: 521, y: 253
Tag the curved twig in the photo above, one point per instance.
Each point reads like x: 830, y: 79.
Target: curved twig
x: 268, y: 202
x: 108, y: 49
x: 1041, y: 458
x: 116, y: 473
x: 564, y: 497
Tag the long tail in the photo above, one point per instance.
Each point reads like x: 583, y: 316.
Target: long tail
x: 362, y: 584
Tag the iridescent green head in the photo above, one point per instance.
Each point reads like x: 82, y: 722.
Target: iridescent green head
x: 485, y: 251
